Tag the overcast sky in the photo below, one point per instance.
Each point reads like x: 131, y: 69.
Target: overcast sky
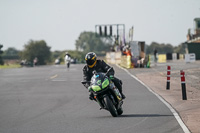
x: 60, y: 22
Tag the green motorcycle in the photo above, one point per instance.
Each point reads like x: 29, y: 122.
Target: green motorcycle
x: 106, y: 93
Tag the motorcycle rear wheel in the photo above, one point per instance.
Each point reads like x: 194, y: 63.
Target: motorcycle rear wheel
x: 68, y: 65
x: 110, y: 106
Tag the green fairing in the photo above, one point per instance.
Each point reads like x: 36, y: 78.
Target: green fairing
x: 96, y: 88
x: 105, y: 83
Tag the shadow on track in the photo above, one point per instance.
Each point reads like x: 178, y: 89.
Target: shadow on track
x: 143, y: 115
x: 135, y: 115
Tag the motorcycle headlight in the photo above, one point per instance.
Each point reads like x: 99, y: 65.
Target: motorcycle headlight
x: 96, y: 88
x: 105, y: 83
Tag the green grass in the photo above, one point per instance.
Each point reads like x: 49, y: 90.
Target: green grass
x: 10, y: 66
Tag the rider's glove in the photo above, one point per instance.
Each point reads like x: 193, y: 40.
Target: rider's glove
x: 111, y: 77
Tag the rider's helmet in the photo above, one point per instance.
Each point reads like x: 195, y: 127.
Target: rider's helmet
x: 91, y: 59
x: 67, y: 54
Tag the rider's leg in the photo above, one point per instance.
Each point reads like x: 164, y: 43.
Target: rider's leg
x: 118, y: 84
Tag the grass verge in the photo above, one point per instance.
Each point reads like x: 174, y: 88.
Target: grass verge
x: 10, y: 66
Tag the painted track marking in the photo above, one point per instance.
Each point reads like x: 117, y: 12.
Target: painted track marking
x: 52, y: 77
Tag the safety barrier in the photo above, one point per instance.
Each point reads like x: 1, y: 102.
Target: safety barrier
x: 113, y: 57
x: 162, y: 58
x: 184, y: 95
x: 181, y: 57
x: 183, y: 85
x: 117, y: 58
x: 126, y: 61
x: 168, y: 77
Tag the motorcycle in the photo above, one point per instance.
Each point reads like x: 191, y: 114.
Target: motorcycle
x: 67, y: 60
x: 106, y: 94
x: 68, y: 63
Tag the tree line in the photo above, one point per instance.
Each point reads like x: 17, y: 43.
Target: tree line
x: 86, y: 42
x: 165, y: 48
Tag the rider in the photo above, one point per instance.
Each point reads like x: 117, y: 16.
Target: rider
x: 99, y: 66
x: 67, y: 58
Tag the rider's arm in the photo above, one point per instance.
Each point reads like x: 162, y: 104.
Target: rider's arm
x: 86, y: 77
x: 106, y: 67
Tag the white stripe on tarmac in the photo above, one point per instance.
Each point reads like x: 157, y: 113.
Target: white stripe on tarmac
x: 185, y: 129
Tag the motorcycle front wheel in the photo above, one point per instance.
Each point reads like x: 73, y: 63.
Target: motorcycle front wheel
x: 120, y: 111
x: 110, y: 106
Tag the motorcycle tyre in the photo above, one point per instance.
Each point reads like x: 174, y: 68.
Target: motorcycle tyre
x: 110, y: 106
x: 68, y: 65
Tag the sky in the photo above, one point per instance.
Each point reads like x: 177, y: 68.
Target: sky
x: 60, y: 22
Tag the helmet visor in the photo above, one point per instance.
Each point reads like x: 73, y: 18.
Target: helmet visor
x: 90, y: 62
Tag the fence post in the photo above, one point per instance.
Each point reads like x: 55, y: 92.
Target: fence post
x: 184, y: 95
x: 168, y: 77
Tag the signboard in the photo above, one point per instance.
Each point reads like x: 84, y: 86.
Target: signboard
x: 190, y: 57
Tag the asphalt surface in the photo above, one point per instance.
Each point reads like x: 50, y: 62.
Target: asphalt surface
x: 156, y: 77
x: 51, y: 99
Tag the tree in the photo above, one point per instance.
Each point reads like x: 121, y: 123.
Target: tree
x: 1, y: 52
x: 180, y: 48
x: 11, y: 53
x: 89, y: 41
x: 161, y: 48
x: 37, y: 49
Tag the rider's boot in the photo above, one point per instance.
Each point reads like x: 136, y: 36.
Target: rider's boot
x: 120, y: 89
x: 123, y: 96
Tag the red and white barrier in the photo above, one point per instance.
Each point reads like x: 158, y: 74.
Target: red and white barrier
x: 168, y: 77
x: 184, y: 95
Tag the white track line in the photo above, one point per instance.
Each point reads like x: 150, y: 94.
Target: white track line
x: 184, y: 127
